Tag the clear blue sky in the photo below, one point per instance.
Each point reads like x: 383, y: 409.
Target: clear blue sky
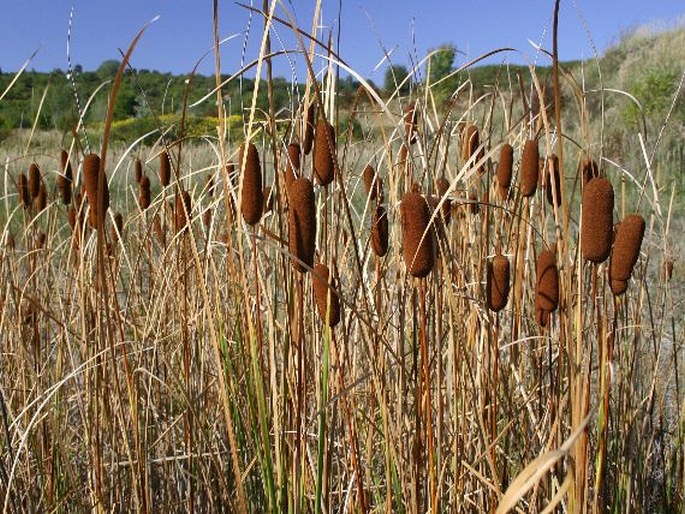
x: 184, y: 30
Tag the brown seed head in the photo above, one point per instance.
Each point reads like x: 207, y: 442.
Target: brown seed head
x: 292, y: 166
x: 505, y: 166
x: 138, y: 170
x: 159, y: 230
x: 207, y: 217
x: 417, y: 238
x: 547, y: 290
x: 164, y: 168
x: 379, y: 231
x: 668, y: 270
x: 324, y: 150
x: 40, y: 240
x: 144, y: 192
x: 302, y: 225
x: 252, y: 201
x: 443, y: 186
x: 626, y: 250
x: 327, y: 302
x: 597, y: 220
x: 41, y: 201
x: 23, y: 190
x: 65, y: 178
x: 310, y: 121
x: 93, y: 177
x: 529, y: 168
x: 497, y: 285
x: 9, y: 241
x: 34, y: 179
x: 370, y: 184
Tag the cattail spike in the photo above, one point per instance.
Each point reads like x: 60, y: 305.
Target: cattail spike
x: 327, y: 302
x: 597, y: 220
x: 417, y: 239
x: 324, y: 150
x: 252, y: 200
x: 529, y: 168
x: 625, y: 252
x: 302, y: 225
x: 379, y: 231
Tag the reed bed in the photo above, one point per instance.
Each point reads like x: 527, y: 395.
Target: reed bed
x: 401, y: 323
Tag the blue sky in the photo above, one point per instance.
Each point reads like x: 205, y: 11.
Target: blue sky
x: 184, y: 30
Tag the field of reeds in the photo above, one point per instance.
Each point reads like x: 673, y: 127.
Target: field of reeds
x: 464, y: 309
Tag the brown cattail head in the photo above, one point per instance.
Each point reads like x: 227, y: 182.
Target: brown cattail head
x: 327, y: 302
x: 41, y: 201
x: 597, y: 220
x: 308, y: 137
x: 302, y: 225
x: 251, y: 200
x: 9, y: 241
x: 183, y: 207
x: 411, y: 122
x: 626, y: 250
x: 34, y: 179
x: 23, y: 191
x: 72, y: 216
x: 590, y: 170
x: 505, y: 166
x: 292, y: 166
x: 164, y: 168
x: 65, y: 178
x: 553, y: 179
x: 529, y: 168
x: 159, y: 230
x: 138, y: 170
x: 324, y: 151
x: 144, y: 192
x: 95, y: 178
x: 371, y: 182
x: 40, y: 240
x: 497, y: 285
x: 417, y: 238
x: 667, y: 270
x: 207, y: 217
x: 547, y: 290
x: 443, y: 186
x: 379, y: 231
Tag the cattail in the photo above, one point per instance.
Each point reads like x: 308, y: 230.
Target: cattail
x: 443, y: 186
x: 207, y: 217
x: 41, y: 201
x: 23, y: 191
x: 292, y: 167
x: 159, y: 230
x: 547, y: 289
x: 138, y: 170
x: 497, y: 285
x: 302, y: 224
x: 590, y: 170
x: 529, y: 168
x: 9, y: 241
x: 411, y: 122
x: 93, y: 177
x: 597, y: 220
x: 626, y: 250
x: 505, y: 166
x: 553, y: 178
x: 144, y: 192
x: 308, y: 138
x: 65, y: 178
x: 324, y: 150
x: 72, y: 216
x: 327, y: 302
x: 379, y: 231
x: 370, y: 184
x: 183, y: 207
x: 417, y: 239
x: 34, y: 179
x: 40, y: 240
x: 164, y: 168
x: 252, y: 201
